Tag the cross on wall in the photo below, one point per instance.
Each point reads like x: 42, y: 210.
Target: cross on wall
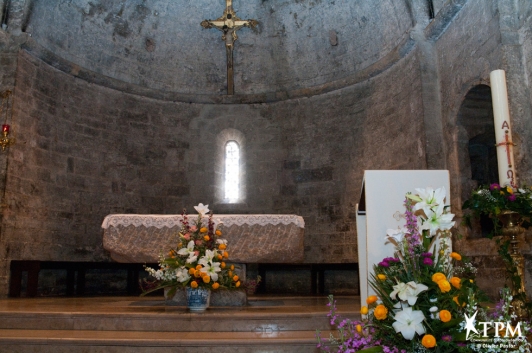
x: 229, y: 24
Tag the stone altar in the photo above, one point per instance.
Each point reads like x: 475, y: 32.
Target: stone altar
x: 266, y: 238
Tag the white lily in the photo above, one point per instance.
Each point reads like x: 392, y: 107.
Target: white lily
x: 437, y: 220
x: 408, y: 322
x: 221, y: 241
x: 408, y: 291
x: 212, y: 269
x: 396, y: 236
x: 202, y: 209
x: 207, y: 258
x: 429, y: 198
x: 182, y: 274
x: 189, y: 250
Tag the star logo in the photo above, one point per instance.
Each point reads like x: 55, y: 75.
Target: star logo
x: 470, y: 324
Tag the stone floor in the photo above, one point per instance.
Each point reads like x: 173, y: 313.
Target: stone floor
x: 133, y: 324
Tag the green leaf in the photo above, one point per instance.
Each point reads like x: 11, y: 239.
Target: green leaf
x: 376, y: 349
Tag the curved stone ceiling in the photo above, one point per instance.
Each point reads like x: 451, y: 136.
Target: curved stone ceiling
x: 160, y: 45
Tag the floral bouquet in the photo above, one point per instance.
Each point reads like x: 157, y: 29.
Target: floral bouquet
x: 424, y: 291
x: 492, y: 200
x: 198, y: 259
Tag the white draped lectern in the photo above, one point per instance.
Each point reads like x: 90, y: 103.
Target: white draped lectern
x: 381, y: 207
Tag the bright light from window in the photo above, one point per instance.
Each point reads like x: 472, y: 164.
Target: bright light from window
x: 232, y: 171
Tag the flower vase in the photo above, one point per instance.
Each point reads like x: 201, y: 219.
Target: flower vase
x: 511, y: 228
x: 198, y: 299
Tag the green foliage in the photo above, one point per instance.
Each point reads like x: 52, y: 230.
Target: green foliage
x: 492, y: 200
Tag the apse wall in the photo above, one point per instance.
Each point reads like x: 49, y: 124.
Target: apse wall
x: 161, y: 45
x: 84, y: 151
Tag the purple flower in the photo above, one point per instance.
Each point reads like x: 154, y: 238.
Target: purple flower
x: 391, y: 259
x: 447, y: 338
x: 383, y: 263
x: 427, y: 254
x: 512, y: 197
x: 428, y: 261
x: 495, y: 186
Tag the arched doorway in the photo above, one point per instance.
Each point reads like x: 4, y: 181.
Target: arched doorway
x: 476, y: 146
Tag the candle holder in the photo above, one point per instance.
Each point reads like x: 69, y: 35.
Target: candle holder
x: 511, y: 228
x: 5, y: 140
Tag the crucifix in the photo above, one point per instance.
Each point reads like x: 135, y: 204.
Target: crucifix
x: 229, y: 23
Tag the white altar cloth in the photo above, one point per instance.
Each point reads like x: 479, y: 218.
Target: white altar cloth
x: 170, y: 221
x: 267, y: 238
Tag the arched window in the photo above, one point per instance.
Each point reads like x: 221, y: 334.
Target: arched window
x: 232, y: 171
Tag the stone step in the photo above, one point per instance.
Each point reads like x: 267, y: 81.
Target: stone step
x: 132, y: 324
x: 152, y: 315
x: 83, y: 341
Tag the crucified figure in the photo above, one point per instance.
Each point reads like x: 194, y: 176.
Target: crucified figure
x: 229, y: 23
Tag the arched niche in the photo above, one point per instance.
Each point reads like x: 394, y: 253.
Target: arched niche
x: 476, y: 148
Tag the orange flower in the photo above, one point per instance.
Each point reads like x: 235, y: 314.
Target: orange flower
x: 222, y: 264
x: 456, y: 256
x: 371, y: 299
x: 206, y: 279
x: 438, y: 276
x: 510, y: 190
x: 237, y: 284
x: 226, y: 254
x: 380, y: 312
x: 445, y: 316
x: 172, y: 253
x: 199, y: 267
x: 232, y: 267
x: 428, y: 341
x: 235, y: 278
x: 364, y: 310
x: 191, y: 271
x: 359, y: 328
x: 194, y: 284
x: 455, y: 281
x: 215, y: 285
x: 218, y: 232
x: 222, y: 246
x: 381, y: 277
x: 455, y: 299
x: 220, y: 257
x: 203, y: 230
x: 206, y: 238
x: 444, y: 285
x: 197, y: 273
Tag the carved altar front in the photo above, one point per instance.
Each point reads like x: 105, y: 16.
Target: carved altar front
x: 134, y: 238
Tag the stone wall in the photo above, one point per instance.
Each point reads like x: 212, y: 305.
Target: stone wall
x: 462, y: 70
x: 84, y: 151
x: 161, y: 45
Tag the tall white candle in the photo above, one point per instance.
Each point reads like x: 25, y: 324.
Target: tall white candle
x: 503, y: 130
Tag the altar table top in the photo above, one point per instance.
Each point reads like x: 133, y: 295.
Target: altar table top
x: 264, y: 238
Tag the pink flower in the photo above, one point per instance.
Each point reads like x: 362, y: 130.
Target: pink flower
x: 198, y: 242
x: 196, y: 252
x: 186, y: 236
x: 495, y: 186
x: 512, y: 197
x: 193, y: 228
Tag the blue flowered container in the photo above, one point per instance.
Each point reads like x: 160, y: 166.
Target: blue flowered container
x: 198, y: 299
